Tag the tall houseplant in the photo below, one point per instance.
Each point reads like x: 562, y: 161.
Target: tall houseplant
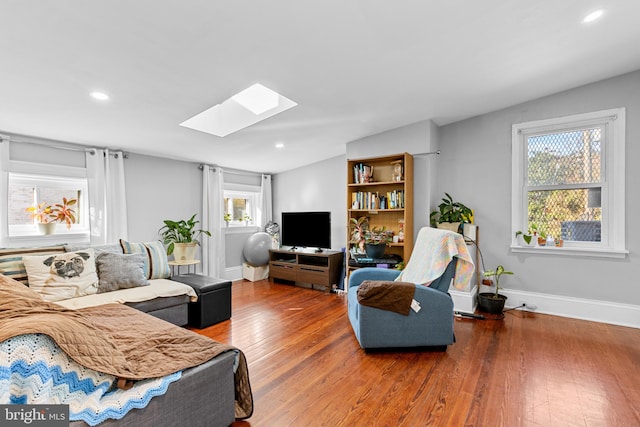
x: 450, y: 214
x: 493, y: 302
x: 181, y: 237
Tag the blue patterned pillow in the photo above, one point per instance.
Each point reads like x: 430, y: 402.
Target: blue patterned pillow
x: 156, y: 264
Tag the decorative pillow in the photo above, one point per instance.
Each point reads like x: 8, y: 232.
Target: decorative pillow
x: 11, y: 264
x: 156, y: 264
x: 120, y: 271
x: 62, y: 276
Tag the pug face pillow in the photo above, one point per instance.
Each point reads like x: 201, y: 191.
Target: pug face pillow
x: 63, y: 276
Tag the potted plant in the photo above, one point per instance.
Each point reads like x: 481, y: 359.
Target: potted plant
x: 532, y: 236
x: 181, y: 237
x: 372, y: 241
x: 493, y: 302
x: 450, y: 214
x: 227, y: 218
x: 246, y: 219
x: 48, y: 216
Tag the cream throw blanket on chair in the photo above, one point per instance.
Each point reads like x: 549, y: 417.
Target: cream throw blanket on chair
x: 432, y: 252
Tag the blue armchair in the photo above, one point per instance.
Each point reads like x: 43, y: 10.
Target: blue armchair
x: 431, y: 326
x: 439, y: 258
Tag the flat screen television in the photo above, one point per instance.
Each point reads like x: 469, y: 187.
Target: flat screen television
x: 306, y: 229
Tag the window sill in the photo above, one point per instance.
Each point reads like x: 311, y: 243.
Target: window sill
x: 240, y: 229
x: 569, y: 251
x: 49, y: 240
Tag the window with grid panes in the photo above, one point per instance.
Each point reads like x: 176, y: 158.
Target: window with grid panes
x: 568, y: 176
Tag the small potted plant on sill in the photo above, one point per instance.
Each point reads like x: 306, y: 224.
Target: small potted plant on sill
x: 450, y: 215
x: 49, y: 215
x: 493, y: 302
x: 181, y: 237
x: 227, y: 218
x: 246, y: 219
x: 371, y: 241
x: 532, y: 236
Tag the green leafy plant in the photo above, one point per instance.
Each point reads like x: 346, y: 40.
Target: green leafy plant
x: 63, y: 212
x: 531, y: 232
x: 183, y: 231
x: 497, y: 273
x: 362, y: 233
x: 450, y: 211
x: 227, y: 217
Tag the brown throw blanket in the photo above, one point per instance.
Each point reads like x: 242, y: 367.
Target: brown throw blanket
x: 391, y: 296
x: 115, y: 339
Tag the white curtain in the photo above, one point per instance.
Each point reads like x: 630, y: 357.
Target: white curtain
x: 213, y: 248
x: 107, y: 196
x: 265, y: 212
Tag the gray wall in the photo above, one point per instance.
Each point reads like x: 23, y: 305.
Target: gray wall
x: 476, y: 155
x: 159, y: 189
x: 317, y: 187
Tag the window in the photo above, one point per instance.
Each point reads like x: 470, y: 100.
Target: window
x: 26, y: 190
x: 568, y: 182
x: 240, y: 204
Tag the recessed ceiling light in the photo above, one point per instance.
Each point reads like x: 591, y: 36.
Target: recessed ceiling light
x: 593, y: 16
x: 279, y: 145
x: 100, y: 96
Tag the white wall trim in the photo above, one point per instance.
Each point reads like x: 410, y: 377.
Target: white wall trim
x: 233, y: 273
x: 577, y: 308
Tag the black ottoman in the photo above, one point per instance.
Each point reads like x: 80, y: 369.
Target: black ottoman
x: 214, y: 299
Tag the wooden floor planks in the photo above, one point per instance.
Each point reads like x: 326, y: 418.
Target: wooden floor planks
x: 528, y: 369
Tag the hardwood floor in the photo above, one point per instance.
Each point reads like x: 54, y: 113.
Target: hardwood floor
x: 307, y: 368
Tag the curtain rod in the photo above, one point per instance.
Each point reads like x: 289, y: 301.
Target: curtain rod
x: 426, y: 154
x: 201, y: 166
x: 92, y: 151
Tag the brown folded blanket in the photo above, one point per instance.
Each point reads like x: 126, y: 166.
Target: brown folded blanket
x: 115, y: 339
x: 391, y: 296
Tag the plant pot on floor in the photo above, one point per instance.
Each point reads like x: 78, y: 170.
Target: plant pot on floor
x: 184, y: 251
x: 374, y: 251
x: 489, y: 302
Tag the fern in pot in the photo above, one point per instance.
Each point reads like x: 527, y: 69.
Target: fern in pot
x: 181, y: 237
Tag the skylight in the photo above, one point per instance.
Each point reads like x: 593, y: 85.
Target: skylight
x: 250, y: 106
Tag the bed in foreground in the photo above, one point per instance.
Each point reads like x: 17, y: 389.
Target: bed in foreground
x: 179, y: 377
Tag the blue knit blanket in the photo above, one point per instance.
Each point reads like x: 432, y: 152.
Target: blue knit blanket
x: 34, y: 370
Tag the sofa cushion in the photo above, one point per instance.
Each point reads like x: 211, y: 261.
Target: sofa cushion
x: 11, y: 264
x: 64, y: 275
x: 120, y: 271
x: 156, y: 265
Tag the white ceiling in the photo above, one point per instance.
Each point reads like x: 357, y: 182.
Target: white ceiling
x: 355, y: 68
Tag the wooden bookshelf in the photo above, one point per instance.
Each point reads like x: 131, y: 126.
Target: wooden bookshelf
x: 385, y: 199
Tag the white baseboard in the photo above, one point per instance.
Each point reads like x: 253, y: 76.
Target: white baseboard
x: 233, y: 273
x: 577, y: 308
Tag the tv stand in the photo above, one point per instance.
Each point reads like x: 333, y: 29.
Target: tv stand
x: 314, y: 268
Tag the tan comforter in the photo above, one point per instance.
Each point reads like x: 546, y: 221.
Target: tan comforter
x: 115, y: 339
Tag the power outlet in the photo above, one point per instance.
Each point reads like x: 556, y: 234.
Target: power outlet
x: 528, y: 306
